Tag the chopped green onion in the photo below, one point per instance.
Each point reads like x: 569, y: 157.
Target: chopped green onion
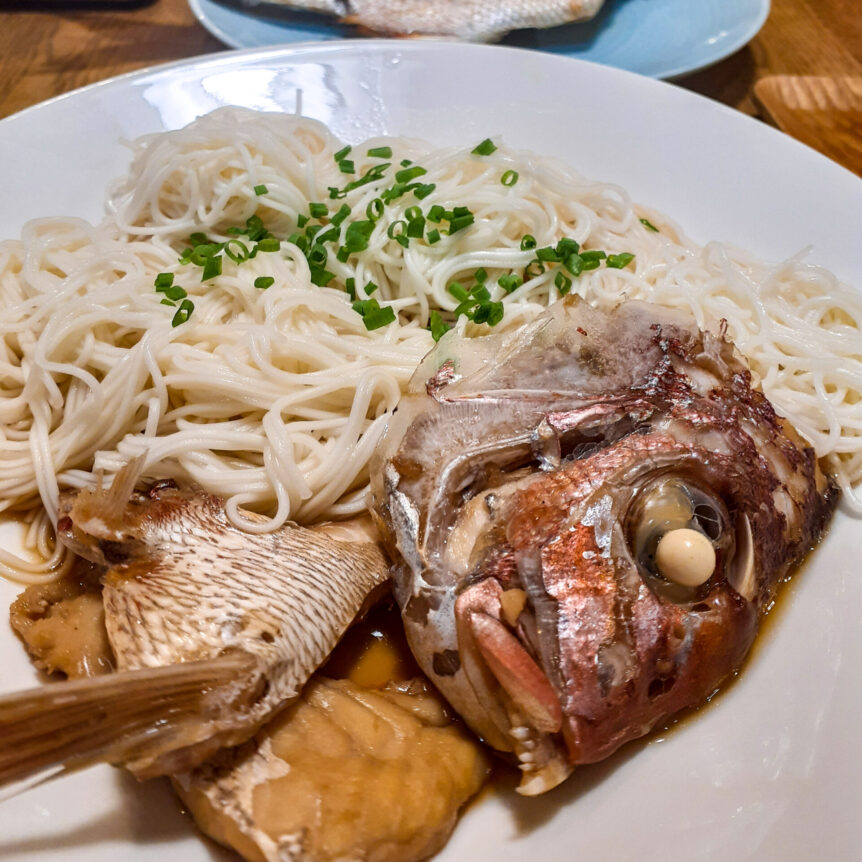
x: 342, y: 254
x: 261, y: 189
x: 649, y: 225
x: 174, y: 293
x: 481, y: 275
x: 574, y: 263
x: 511, y: 282
x: 407, y: 174
x: 534, y: 269
x: 528, y: 242
x: 375, y: 209
x: 346, y: 166
x: 320, y: 276
x: 593, y: 255
x: 412, y: 213
x: 433, y: 236
x: 318, y: 210
x: 328, y: 235
x: 212, y: 268
x: 563, y: 283
x: 350, y: 287
x: 460, y: 222
x: 438, y: 326
x: 436, y: 213
x: 342, y: 153
x: 198, y: 239
x: 164, y: 279
x: 236, y: 256
x: 405, y: 162
x: 357, y: 236
x: 269, y: 244
x: 341, y: 215
x: 169, y: 302
x: 485, y: 148
x: 262, y: 282
x: 301, y: 220
x: 416, y: 227
x: 184, y: 312
x: 317, y: 255
x: 488, y: 312
x: 423, y: 190
x: 619, y: 261
x: 396, y: 229
x: 480, y: 292
x: 548, y: 254
x: 370, y: 288
x: 373, y: 316
x: 380, y: 153
x: 458, y: 291
x: 567, y: 246
x: 509, y: 178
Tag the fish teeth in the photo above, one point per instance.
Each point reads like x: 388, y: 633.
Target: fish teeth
x: 520, y: 733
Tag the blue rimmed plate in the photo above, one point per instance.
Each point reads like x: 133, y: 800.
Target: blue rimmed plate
x: 659, y: 38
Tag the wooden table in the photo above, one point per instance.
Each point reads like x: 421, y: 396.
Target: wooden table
x: 50, y: 48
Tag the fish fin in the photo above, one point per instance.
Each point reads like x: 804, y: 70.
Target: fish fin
x: 145, y: 719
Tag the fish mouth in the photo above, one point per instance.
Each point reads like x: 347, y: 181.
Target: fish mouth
x: 498, y: 638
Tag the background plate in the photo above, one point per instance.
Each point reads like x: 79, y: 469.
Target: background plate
x: 772, y: 769
x: 659, y: 38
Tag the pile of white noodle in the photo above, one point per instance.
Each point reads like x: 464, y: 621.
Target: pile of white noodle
x: 275, y: 398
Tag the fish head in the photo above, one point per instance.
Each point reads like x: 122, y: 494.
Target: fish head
x: 589, y: 518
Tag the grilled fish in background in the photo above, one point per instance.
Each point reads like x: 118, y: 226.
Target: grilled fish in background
x: 213, y: 629
x: 470, y: 20
x: 590, y: 515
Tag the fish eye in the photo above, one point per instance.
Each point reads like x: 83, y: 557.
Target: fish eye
x: 676, y: 530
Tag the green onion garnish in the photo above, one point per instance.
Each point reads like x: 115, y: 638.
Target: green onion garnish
x: 481, y: 275
x: 459, y: 222
x: 370, y: 288
x: 184, y: 312
x: 301, y: 220
x: 485, y: 148
x: 346, y: 166
x: 318, y: 210
x: 350, y: 287
x: 563, y: 283
x: 457, y: 290
x: 198, y: 238
x: 341, y: 215
x: 534, y: 269
x: 528, y: 242
x: 212, y: 268
x: 240, y: 254
x: 261, y: 189
x: 380, y: 152
x: 416, y: 228
x: 407, y: 174
x: 567, y: 246
x: 649, y: 225
x: 269, y: 244
x: 437, y: 326
x: 164, y: 279
x: 174, y: 293
x: 342, y: 153
x: 511, y: 282
x: 619, y: 261
x: 593, y: 255
x: 433, y: 236
x: 423, y: 190
x: 320, y: 276
x: 375, y: 209
x: 574, y: 264
x: 262, y: 282
x: 373, y: 316
x: 357, y: 236
x: 548, y: 254
x: 436, y: 213
x: 509, y: 178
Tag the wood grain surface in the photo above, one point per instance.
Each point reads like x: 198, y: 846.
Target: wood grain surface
x: 48, y: 48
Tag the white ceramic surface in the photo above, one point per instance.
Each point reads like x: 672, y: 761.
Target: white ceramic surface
x: 772, y: 770
x: 660, y: 38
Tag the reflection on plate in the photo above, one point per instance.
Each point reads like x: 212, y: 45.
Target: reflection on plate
x: 659, y: 38
x: 772, y: 769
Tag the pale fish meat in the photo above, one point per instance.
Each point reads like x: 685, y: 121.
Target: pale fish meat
x: 470, y: 20
x: 590, y: 516
x: 212, y: 629
x: 345, y: 773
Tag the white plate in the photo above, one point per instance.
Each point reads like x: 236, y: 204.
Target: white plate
x: 770, y: 771
x: 660, y: 38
